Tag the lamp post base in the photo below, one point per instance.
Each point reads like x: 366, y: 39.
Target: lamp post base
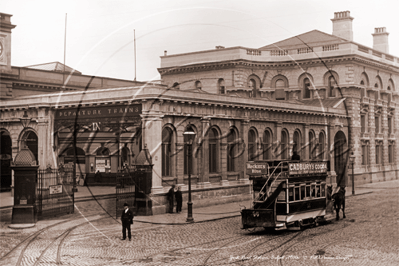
x: 190, y: 218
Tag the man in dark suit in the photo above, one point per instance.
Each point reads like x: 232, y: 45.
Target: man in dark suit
x: 170, y: 196
x: 127, y: 220
x: 179, y: 199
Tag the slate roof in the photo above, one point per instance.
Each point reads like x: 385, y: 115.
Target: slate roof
x: 54, y: 66
x: 308, y: 39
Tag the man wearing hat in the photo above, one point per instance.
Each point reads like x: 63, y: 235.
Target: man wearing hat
x: 127, y: 220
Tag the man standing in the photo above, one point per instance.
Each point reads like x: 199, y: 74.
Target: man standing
x: 179, y: 199
x: 170, y: 196
x: 127, y: 220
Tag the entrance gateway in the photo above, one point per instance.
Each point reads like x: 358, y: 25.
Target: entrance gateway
x: 98, y: 140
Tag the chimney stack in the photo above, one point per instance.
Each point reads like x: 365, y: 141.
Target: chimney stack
x: 380, y: 40
x: 342, y: 25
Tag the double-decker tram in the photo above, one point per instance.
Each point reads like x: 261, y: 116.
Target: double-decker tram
x: 287, y: 195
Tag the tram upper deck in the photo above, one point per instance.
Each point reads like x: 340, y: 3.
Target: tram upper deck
x: 286, y: 192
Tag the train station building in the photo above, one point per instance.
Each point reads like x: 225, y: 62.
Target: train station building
x: 319, y: 95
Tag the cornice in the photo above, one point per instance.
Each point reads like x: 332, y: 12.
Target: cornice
x: 243, y: 63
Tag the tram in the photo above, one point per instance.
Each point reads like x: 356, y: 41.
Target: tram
x: 288, y: 195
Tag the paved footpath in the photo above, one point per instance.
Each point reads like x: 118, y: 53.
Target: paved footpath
x: 84, y: 197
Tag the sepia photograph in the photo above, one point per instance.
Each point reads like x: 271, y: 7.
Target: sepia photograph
x: 199, y: 132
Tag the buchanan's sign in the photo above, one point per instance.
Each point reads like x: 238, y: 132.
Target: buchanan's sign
x: 114, y: 111
x: 256, y: 168
x: 307, y: 168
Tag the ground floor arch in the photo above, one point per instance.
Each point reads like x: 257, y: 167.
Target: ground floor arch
x: 340, y: 158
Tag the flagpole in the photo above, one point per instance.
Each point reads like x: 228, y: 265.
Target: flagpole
x: 134, y: 55
x: 63, y: 75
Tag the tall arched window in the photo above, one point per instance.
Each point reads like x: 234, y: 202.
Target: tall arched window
x: 30, y: 140
x: 251, y: 145
x: 125, y: 156
x: 221, y: 86
x: 322, y: 145
x: 284, y: 144
x: 166, y: 151
x: 311, y: 145
x: 266, y: 145
x: 331, y: 86
x: 213, y: 150
x: 232, y: 147
x: 176, y: 86
x: 198, y: 85
x: 252, y: 87
x: 306, y: 88
x: 103, y: 160
x: 297, y: 143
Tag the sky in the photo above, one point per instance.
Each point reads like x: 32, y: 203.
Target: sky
x: 100, y: 33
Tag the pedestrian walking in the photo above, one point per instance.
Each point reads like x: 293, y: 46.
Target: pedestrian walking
x: 179, y: 199
x: 127, y: 220
x: 170, y: 196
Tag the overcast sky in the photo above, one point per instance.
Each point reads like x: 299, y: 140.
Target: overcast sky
x: 100, y: 32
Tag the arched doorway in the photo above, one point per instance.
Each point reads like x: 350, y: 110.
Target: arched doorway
x: 340, y: 157
x: 30, y: 140
x: 5, y: 158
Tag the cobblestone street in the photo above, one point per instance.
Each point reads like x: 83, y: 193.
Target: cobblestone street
x: 368, y: 236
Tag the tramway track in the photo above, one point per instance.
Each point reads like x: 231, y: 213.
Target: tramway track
x: 280, y: 260
x: 24, y: 259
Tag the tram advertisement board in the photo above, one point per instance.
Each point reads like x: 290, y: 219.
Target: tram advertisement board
x: 256, y: 168
x: 307, y: 168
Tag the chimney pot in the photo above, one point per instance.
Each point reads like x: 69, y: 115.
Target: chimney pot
x: 165, y: 53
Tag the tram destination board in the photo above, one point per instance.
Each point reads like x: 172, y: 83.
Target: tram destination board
x: 307, y: 168
x: 256, y: 168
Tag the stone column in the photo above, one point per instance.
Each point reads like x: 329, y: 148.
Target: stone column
x: 44, y: 147
x: 277, y: 140
x: 204, y: 176
x: 243, y: 158
x: 330, y: 143
x: 223, y: 161
x: 305, y: 151
x: 152, y: 138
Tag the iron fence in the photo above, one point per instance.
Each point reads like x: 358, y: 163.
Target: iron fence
x: 54, y: 194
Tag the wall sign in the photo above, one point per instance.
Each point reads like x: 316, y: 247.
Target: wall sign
x: 57, y: 189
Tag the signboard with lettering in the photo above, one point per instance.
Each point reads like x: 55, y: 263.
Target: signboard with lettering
x: 57, y: 189
x: 100, y: 111
x: 307, y: 168
x: 256, y: 168
x: 96, y: 117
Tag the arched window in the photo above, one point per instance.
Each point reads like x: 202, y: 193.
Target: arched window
x: 30, y: 140
x: 306, y: 88
x: 232, y: 151
x: 198, y: 85
x: 284, y: 144
x: 103, y: 161
x: 331, y: 86
x: 166, y: 151
x: 297, y: 143
x: 312, y: 141
x: 176, y: 86
x: 213, y: 150
x: 221, y: 86
x: 252, y: 87
x: 322, y: 146
x: 251, y: 145
x: 125, y: 156
x: 267, y: 145
x: 189, y: 163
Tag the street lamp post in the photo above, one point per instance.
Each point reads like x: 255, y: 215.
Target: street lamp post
x: 352, y: 160
x: 190, y: 135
